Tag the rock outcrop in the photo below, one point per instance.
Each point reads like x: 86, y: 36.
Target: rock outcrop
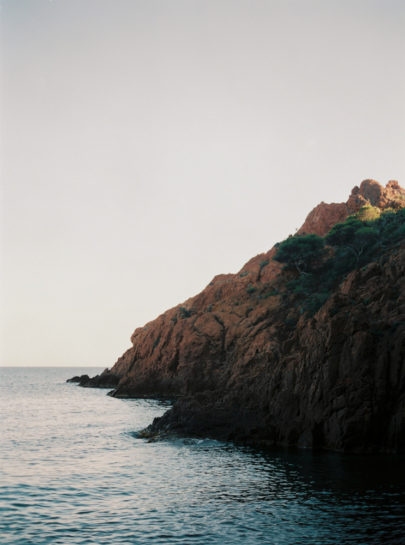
x: 245, y: 366
x: 324, y: 216
x: 336, y: 380
x: 107, y: 379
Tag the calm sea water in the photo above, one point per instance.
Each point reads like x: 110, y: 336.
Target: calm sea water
x: 74, y: 472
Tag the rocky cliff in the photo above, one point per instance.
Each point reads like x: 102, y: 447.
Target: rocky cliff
x: 247, y: 362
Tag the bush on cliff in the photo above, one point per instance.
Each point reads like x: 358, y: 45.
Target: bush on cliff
x: 302, y: 253
x: 185, y: 312
x: 361, y: 239
x: 368, y: 213
x: 353, y: 235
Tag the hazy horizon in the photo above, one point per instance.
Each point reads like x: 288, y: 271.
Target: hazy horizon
x: 148, y: 146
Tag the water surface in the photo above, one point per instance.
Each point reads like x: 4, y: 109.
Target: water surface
x: 73, y: 472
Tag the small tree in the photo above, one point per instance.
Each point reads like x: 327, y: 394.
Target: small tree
x: 352, y: 235
x: 303, y: 252
x: 368, y: 213
x: 342, y: 234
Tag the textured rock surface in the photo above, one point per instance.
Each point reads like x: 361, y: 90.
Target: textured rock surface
x: 335, y: 381
x: 243, y: 371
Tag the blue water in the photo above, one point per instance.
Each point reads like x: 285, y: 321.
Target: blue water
x: 74, y: 472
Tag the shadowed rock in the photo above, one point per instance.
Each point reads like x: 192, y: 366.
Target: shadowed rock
x: 107, y: 379
x: 245, y: 365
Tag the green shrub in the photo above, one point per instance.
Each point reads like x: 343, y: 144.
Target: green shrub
x: 272, y: 293
x: 185, y: 312
x: 302, y: 252
x: 361, y: 239
x: 368, y: 213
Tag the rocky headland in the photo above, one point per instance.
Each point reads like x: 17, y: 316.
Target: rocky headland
x: 307, y: 352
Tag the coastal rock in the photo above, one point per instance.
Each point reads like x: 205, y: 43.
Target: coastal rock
x: 78, y: 378
x: 245, y: 366
x: 107, y: 379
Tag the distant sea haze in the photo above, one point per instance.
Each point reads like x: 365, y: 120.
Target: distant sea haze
x: 73, y: 471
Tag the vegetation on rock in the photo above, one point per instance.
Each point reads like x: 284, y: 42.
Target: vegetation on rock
x: 302, y: 252
x: 362, y: 238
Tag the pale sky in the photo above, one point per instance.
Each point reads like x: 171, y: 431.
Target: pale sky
x: 148, y: 145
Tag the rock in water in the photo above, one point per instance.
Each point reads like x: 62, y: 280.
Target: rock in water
x: 107, y: 379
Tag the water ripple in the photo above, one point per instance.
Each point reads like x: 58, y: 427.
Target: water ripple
x: 74, y: 472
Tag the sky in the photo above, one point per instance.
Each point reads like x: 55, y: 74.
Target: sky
x: 148, y: 145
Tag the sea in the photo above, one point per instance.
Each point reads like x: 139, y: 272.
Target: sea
x: 74, y: 471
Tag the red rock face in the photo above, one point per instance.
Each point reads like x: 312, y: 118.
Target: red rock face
x: 324, y: 216
x: 371, y: 192
x: 249, y: 374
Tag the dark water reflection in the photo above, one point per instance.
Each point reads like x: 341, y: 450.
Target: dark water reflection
x: 72, y: 472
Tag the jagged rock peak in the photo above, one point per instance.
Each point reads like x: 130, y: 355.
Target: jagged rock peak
x: 372, y: 193
x: 324, y: 216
